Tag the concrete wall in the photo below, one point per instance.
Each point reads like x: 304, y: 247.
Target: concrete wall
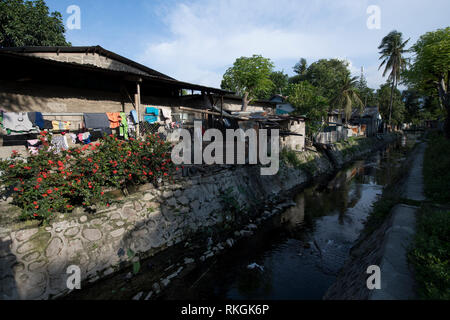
x: 28, y: 97
x: 296, y: 143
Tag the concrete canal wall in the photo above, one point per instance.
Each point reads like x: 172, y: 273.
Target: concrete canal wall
x: 34, y: 259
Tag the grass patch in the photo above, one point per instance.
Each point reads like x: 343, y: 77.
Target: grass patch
x: 431, y: 254
x: 436, y: 169
x: 290, y: 156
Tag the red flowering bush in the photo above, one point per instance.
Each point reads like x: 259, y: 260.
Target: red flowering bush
x: 47, y: 183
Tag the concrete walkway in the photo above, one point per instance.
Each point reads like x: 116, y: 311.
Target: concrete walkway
x: 414, y: 184
x: 397, y: 280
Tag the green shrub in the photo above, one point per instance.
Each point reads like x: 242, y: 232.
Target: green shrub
x: 431, y: 254
x: 47, y: 183
x: 437, y: 169
x: 290, y: 156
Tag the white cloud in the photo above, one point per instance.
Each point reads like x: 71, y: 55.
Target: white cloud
x: 207, y: 36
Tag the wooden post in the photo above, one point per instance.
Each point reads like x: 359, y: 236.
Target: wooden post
x: 137, y: 98
x: 221, y: 108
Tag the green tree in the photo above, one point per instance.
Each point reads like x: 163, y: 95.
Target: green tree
x: 391, y: 103
x: 301, y: 67
x: 413, y: 106
x: 249, y: 77
x: 280, y: 82
x: 347, y: 96
x: 430, y: 70
x: 366, y: 94
x: 306, y: 100
x: 327, y: 75
x: 392, y: 49
x: 29, y: 23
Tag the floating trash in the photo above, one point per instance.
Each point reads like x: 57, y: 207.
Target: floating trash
x: 255, y: 266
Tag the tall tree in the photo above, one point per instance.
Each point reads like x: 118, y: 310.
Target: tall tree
x: 301, y: 66
x: 280, y: 82
x: 249, y: 77
x: 430, y: 70
x: 391, y: 104
x: 392, y: 50
x: 366, y: 94
x: 413, y: 105
x: 327, y: 75
x: 29, y: 23
x: 347, y: 96
x: 307, y: 101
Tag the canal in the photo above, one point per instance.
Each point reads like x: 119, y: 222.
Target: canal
x: 295, y: 255
x: 298, y: 254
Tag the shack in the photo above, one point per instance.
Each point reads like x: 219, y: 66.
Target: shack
x: 64, y: 84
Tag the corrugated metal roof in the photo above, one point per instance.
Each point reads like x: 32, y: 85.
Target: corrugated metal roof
x: 92, y: 68
x: 87, y: 49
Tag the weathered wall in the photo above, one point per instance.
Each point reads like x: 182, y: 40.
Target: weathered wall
x: 235, y: 106
x: 33, y: 260
x: 296, y: 143
x: 27, y: 97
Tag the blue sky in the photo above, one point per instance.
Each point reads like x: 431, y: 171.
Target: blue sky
x: 197, y: 40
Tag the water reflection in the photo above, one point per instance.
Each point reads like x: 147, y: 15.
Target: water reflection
x: 294, y: 217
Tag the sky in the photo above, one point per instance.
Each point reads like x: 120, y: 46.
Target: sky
x: 197, y: 40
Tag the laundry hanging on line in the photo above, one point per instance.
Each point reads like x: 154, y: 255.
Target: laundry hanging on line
x: 96, y: 120
x: 17, y: 121
x: 114, y: 119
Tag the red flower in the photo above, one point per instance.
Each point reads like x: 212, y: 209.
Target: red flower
x: 15, y: 189
x: 115, y: 171
x: 90, y: 159
x: 12, y: 166
x: 50, y: 162
x: 35, y: 215
x: 49, y: 191
x: 27, y: 168
x: 45, y: 195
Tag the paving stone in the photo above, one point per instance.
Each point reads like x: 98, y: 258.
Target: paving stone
x: 23, y: 235
x: 117, y: 233
x: 54, y: 248
x: 92, y: 234
x: 72, y: 232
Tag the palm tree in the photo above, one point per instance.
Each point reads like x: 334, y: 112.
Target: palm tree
x: 392, y: 48
x: 347, y: 96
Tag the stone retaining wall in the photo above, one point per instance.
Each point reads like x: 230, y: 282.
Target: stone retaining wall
x: 34, y: 260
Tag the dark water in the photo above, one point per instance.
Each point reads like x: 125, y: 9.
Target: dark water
x: 301, y: 251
